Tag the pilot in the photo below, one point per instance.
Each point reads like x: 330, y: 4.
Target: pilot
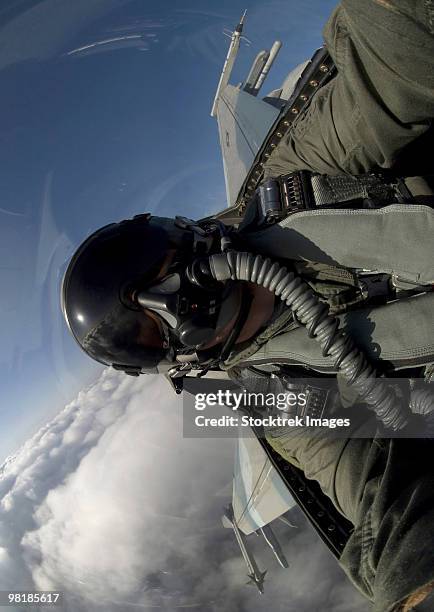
x: 151, y: 295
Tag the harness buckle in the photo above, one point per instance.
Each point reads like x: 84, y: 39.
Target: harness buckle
x: 278, y: 198
x: 376, y: 286
x: 297, y: 192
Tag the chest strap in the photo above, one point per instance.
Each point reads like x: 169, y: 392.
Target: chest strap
x: 277, y: 198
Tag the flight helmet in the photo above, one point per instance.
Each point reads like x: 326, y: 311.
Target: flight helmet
x: 128, y: 297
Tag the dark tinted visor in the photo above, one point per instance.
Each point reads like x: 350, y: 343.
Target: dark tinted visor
x: 127, y: 337
x: 102, y: 268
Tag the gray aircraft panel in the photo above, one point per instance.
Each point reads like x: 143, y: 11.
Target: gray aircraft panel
x: 243, y: 123
x: 259, y: 494
x: 291, y: 80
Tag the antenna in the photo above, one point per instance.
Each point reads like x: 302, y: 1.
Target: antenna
x: 236, y: 36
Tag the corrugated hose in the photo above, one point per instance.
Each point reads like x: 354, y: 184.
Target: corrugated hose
x: 380, y: 397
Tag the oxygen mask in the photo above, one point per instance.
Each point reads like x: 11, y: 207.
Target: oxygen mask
x: 192, y: 316
x: 192, y: 306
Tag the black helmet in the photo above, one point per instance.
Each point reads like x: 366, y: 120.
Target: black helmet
x: 123, y: 260
x: 95, y: 289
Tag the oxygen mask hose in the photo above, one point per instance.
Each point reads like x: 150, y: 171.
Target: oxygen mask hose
x: 422, y: 402
x: 314, y: 314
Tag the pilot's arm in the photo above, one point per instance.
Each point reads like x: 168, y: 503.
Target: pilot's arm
x: 382, y: 98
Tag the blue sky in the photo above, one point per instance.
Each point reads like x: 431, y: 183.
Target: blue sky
x: 99, y: 134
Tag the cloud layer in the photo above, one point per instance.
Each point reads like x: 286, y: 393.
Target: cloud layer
x: 110, y: 504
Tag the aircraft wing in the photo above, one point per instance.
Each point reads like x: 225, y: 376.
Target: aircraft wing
x: 243, y: 122
x: 259, y: 494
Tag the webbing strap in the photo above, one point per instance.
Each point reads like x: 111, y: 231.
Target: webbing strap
x: 341, y: 188
x: 301, y: 191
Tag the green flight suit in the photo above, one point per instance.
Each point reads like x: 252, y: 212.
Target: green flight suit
x: 382, y: 98
x: 380, y: 102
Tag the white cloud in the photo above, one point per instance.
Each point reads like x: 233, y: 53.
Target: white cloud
x: 111, y: 505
